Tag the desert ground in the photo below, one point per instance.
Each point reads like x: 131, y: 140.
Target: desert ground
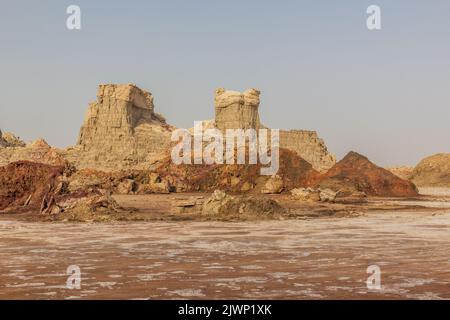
x: 307, y: 256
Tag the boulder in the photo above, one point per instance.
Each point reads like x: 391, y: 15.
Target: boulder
x: 433, y: 171
x: 356, y: 173
x: 306, y: 194
x: 273, y: 185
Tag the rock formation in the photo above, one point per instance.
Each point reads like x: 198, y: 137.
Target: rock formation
x: 309, y: 146
x: 433, y: 171
x: 355, y: 173
x: 120, y: 131
x: 9, y: 140
x: 402, y: 172
x: 236, y: 110
x: 38, y: 151
x: 23, y: 185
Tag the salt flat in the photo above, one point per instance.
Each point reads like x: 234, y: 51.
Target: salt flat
x: 291, y: 259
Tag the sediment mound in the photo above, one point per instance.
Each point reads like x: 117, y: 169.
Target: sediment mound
x: 24, y: 184
x: 293, y: 171
x: 356, y: 173
x: 433, y: 171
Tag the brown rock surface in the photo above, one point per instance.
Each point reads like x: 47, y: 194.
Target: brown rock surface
x: 24, y: 185
x: 223, y: 204
x: 433, y: 171
x: 38, y: 151
x: 356, y: 173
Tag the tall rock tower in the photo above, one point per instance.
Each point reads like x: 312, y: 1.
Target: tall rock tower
x: 236, y: 110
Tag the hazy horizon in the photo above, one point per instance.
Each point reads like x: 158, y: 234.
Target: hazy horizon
x: 384, y: 94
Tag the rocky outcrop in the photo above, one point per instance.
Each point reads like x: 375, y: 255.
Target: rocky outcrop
x: 402, y: 172
x: 293, y: 172
x: 120, y: 131
x: 236, y: 110
x: 222, y: 204
x: 38, y: 151
x: 8, y: 140
x: 273, y: 186
x: 355, y: 173
x: 309, y: 146
x: 24, y: 185
x: 433, y: 171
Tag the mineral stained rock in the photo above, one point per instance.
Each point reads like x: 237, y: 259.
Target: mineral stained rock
x: 356, y: 173
x: 120, y: 131
x: 9, y: 140
x: 433, y: 171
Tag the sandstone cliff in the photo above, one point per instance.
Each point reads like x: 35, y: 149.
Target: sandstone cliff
x: 120, y: 131
x: 433, y: 171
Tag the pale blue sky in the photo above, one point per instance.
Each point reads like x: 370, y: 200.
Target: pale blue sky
x: 384, y: 94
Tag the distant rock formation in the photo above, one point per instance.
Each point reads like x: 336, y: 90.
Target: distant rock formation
x: 120, y: 131
x: 355, y: 173
x: 38, y: 151
x: 433, y: 171
x: 236, y: 110
x: 8, y: 140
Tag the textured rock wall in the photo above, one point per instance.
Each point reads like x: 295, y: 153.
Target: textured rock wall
x: 235, y: 110
x: 120, y: 131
